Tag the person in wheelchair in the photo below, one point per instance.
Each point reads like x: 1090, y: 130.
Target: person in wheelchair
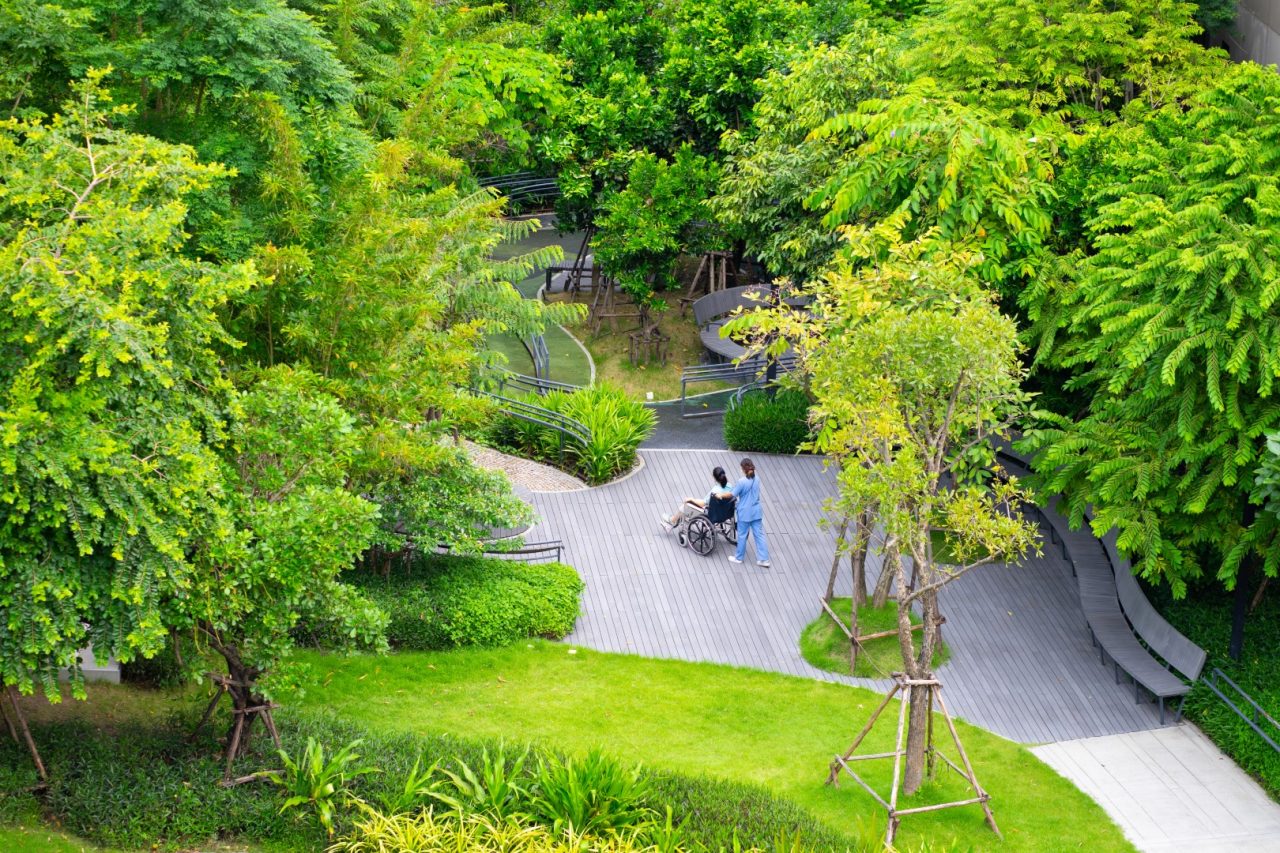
x: 693, y: 507
x: 698, y: 522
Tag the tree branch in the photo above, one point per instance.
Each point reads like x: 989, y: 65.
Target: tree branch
x: 950, y: 576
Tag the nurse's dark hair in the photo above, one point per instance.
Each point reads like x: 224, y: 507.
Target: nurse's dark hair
x: 748, y: 467
x: 721, y: 477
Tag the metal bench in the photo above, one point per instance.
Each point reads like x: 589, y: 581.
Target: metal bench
x: 1122, y: 623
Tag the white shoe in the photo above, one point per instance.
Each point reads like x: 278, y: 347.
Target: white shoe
x: 735, y: 560
x: 667, y: 526
x: 764, y: 564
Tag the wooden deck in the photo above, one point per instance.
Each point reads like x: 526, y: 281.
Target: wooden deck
x: 1021, y: 661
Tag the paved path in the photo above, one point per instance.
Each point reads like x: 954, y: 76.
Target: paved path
x: 1021, y: 664
x: 675, y: 432
x: 523, y: 473
x: 1170, y: 789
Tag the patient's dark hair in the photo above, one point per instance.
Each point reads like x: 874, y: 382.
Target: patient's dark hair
x: 721, y: 477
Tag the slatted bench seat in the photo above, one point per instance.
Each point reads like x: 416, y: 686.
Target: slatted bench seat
x: 1122, y: 623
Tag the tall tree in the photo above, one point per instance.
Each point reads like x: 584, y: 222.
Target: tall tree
x: 772, y: 168
x: 1168, y: 321
x: 1025, y: 59
x: 911, y: 364
x: 930, y: 165
x: 290, y: 528
x: 114, y: 400
x: 660, y: 215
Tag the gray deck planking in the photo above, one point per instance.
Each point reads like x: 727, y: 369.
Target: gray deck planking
x: 1022, y: 664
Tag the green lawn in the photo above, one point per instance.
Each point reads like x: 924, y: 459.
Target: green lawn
x: 825, y: 646
x: 702, y: 718
x: 39, y: 839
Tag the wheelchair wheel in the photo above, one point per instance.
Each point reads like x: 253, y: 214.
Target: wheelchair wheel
x: 729, y: 530
x: 702, y: 536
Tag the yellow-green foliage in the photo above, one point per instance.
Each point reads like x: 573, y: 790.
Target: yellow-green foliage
x: 426, y: 832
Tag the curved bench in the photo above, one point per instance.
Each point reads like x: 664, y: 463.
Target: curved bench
x: 1122, y: 623
x: 710, y: 312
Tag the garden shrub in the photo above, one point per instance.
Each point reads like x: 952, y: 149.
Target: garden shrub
x: 760, y: 424
x: 444, y: 602
x: 136, y: 787
x: 426, y: 832
x: 618, y: 425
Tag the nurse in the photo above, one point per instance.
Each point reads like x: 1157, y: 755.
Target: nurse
x: 750, y: 515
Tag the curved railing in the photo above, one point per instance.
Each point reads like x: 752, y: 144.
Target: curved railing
x: 565, y: 427
x: 523, y: 188
x: 541, y: 356
x: 537, y: 384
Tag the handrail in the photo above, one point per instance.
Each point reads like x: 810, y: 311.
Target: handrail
x: 523, y: 410
x: 521, y: 187
x: 534, y: 549
x: 749, y: 372
x: 538, y: 352
x: 532, y: 383
x: 1258, y: 716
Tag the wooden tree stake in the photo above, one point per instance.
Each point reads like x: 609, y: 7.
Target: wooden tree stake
x: 12, y: 693
x: 903, y: 684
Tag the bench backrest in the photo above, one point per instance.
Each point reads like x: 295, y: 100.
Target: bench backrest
x: 721, y: 302
x: 1161, y: 637
x: 1164, y: 639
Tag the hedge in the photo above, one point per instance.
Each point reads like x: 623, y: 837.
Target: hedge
x: 764, y: 424
x: 137, y: 787
x: 444, y: 602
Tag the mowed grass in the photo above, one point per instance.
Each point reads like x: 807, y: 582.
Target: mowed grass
x: 40, y: 839
x: 825, y: 646
x: 774, y: 730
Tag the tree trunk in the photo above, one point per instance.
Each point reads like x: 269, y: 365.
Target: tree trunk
x: 883, y: 583
x: 12, y: 693
x: 919, y: 667
x: 247, y: 704
x: 1240, y: 604
x: 835, y: 562
x: 858, y: 558
x: 919, y: 696
x: 917, y: 738
x: 1240, y: 608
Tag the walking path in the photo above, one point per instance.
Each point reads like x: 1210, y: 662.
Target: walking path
x: 1021, y: 663
x: 525, y: 474
x: 1170, y: 789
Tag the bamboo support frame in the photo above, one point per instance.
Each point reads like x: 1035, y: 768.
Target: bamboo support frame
x: 901, y: 689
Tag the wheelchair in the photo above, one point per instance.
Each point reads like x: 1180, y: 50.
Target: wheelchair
x: 699, y: 532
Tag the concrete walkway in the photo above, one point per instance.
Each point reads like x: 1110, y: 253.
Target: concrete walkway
x: 1170, y: 789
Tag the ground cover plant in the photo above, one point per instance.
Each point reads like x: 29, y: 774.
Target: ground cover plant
x: 441, y: 602
x: 768, y: 424
x: 612, y: 353
x: 827, y: 647
x: 700, y: 719
x: 1205, y: 618
x: 125, y: 775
